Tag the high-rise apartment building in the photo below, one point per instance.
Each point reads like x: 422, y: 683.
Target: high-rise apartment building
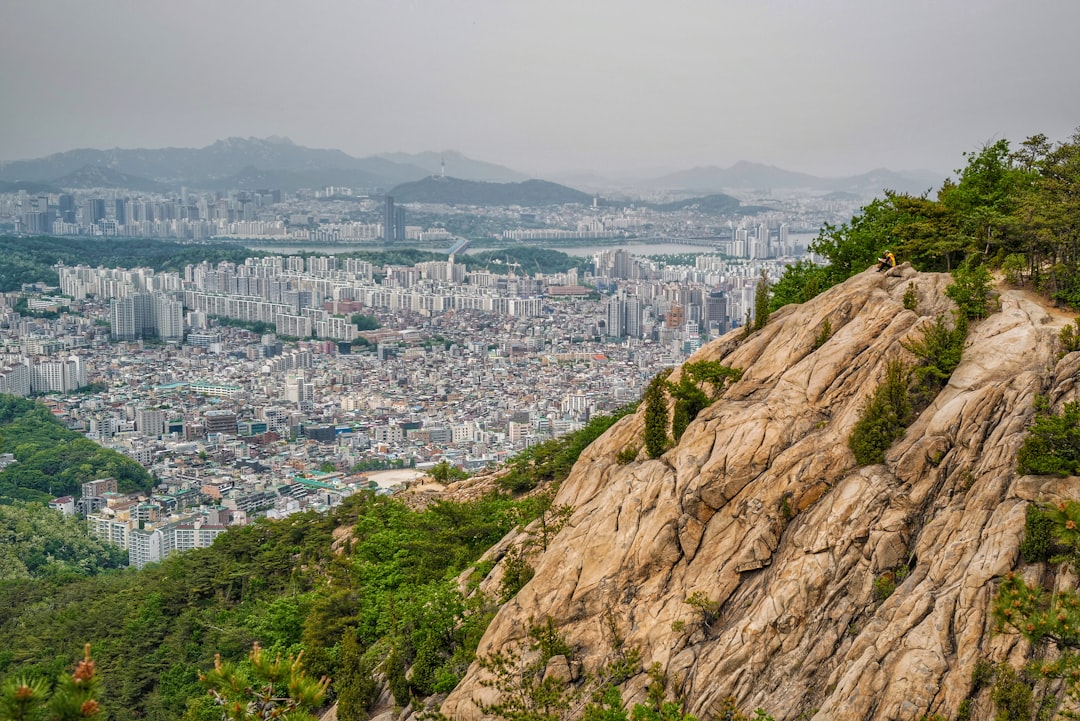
x: 122, y: 319
x: 147, y: 315
x: 168, y: 317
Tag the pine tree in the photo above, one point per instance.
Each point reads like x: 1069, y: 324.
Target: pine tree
x: 355, y: 685
x: 267, y: 689
x: 75, y: 696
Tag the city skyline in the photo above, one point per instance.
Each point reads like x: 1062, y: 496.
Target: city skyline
x: 828, y: 88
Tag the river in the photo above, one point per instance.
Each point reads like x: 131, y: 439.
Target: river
x: 669, y: 246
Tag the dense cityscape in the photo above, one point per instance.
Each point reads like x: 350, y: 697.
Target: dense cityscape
x: 251, y: 389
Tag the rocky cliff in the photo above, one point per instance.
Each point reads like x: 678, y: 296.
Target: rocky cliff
x: 762, y: 510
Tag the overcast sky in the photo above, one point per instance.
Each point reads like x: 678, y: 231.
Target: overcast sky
x: 829, y: 87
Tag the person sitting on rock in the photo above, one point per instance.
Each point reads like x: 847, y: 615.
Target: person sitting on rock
x: 886, y: 261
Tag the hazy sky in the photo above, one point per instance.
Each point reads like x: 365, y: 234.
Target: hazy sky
x: 823, y: 86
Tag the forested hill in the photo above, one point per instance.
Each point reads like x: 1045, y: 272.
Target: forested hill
x: 53, y: 461
x: 717, y: 204
x: 454, y: 191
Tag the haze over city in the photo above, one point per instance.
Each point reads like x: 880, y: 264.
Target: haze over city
x: 828, y: 88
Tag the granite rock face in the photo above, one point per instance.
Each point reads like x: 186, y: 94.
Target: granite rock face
x: 762, y: 510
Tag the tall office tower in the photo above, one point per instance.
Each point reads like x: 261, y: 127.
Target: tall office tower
x: 41, y: 219
x: 785, y: 247
x: 389, y: 220
x: 66, y: 208
x: 715, y: 311
x: 299, y: 391
x: 121, y: 211
x: 93, y: 211
x: 150, y: 421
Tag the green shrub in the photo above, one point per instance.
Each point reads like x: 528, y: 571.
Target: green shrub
x: 911, y: 297
x: 886, y: 583
x: 1012, y: 696
x: 1052, y: 446
x: 824, y: 334
x: 548, y: 640
x: 517, y: 571
x: 394, y: 669
x: 786, y: 512
x: 971, y: 290
x: 1070, y: 337
x: 1013, y: 267
x: 689, y: 393
x: 355, y: 684
x: 939, y: 349
x: 982, y: 675
x: 627, y: 454
x: 683, y: 412
x: 1038, y: 543
x: 708, y: 610
x: 884, y: 418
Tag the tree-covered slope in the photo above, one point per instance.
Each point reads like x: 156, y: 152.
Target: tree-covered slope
x: 367, y: 591
x: 52, y: 460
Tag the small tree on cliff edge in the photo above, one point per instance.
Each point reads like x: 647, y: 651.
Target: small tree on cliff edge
x: 762, y: 296
x: 656, y: 415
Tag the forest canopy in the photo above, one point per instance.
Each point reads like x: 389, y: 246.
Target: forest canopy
x: 1016, y: 210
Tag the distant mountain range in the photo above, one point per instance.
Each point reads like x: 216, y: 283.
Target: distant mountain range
x: 230, y: 163
x: 251, y: 163
x: 755, y: 176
